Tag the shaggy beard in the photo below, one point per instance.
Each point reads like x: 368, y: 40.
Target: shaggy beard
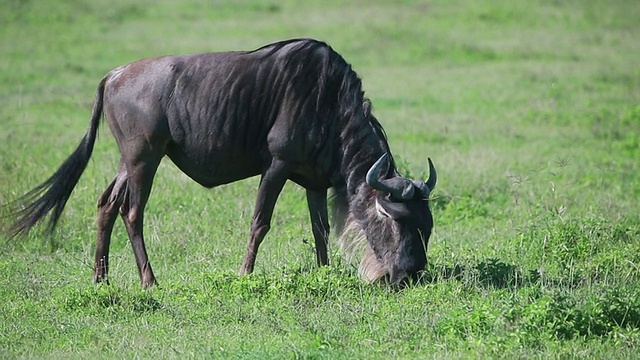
x: 353, y: 243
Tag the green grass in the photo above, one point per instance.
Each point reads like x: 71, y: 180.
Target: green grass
x: 530, y: 111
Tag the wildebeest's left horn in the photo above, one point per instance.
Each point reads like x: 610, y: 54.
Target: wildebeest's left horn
x: 399, y: 188
x: 426, y: 188
x: 433, y: 177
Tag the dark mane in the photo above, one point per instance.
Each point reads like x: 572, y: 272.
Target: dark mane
x: 322, y: 79
x: 378, y: 129
x: 277, y: 46
x: 316, y: 62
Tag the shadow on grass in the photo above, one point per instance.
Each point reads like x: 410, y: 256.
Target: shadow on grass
x: 493, y: 273
x: 110, y: 297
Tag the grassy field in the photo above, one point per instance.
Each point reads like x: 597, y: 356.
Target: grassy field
x: 529, y: 109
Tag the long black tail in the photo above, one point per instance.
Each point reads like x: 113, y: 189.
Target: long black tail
x: 54, y: 193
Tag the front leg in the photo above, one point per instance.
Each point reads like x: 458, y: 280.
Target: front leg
x: 271, y: 184
x: 317, y: 201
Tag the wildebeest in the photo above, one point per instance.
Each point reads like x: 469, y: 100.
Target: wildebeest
x: 291, y: 110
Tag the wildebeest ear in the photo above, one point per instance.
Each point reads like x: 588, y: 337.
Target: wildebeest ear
x: 366, y: 108
x: 392, y: 209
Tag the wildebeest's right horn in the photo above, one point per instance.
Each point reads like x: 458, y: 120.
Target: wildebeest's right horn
x: 400, y: 189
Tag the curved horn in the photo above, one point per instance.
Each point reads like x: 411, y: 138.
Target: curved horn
x: 433, y: 177
x: 399, y: 188
x: 373, y: 175
x: 425, y: 188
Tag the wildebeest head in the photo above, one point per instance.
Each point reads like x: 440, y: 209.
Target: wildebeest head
x: 396, y: 221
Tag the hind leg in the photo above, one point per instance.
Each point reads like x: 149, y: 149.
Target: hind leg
x: 139, y: 180
x: 108, y: 204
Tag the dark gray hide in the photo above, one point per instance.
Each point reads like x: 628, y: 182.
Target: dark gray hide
x: 292, y: 110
